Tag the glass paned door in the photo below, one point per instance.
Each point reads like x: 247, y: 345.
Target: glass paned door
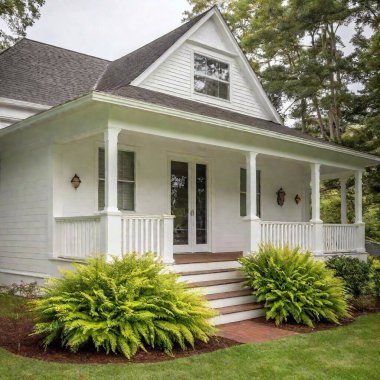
x: 180, y: 202
x: 189, y: 205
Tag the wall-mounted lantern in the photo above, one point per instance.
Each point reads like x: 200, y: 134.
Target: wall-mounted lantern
x: 281, y: 197
x: 297, y: 199
x: 75, y: 181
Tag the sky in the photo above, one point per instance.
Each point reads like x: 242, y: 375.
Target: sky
x: 106, y: 28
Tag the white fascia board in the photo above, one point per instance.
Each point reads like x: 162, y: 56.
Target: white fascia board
x: 137, y: 81
x: 145, y: 106
x: 22, y: 104
x: 46, y: 114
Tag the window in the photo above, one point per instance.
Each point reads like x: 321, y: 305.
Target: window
x: 211, y: 77
x: 243, y: 192
x: 125, y: 180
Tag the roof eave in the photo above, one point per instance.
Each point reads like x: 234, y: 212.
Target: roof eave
x: 138, y: 104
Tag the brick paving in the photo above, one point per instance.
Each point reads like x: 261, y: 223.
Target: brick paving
x: 250, y: 332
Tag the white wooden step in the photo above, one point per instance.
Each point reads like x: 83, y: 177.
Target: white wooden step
x: 218, y: 286
x: 236, y: 317
x: 217, y: 274
x: 232, y: 301
x: 211, y: 265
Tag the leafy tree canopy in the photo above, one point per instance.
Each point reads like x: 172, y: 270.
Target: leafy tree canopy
x: 17, y: 15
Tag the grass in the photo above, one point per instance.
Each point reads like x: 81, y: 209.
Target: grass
x: 350, y: 352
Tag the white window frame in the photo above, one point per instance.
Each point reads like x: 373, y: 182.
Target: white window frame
x: 120, y: 148
x: 258, y: 193
x: 199, y: 95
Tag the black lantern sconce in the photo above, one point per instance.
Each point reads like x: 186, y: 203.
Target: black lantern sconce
x: 297, y: 199
x: 75, y: 181
x: 281, y: 197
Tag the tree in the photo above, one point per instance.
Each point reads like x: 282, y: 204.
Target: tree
x: 17, y: 15
x: 296, y: 50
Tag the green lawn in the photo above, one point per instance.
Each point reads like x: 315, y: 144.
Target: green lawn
x: 350, y: 352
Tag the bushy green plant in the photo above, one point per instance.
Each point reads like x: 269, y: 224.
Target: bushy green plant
x: 355, y: 273
x: 294, y: 286
x: 121, y: 306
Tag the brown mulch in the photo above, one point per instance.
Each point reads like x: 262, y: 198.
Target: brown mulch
x: 320, y: 326
x: 15, y: 337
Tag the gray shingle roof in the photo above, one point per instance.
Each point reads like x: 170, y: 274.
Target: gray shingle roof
x: 154, y: 97
x: 127, y: 68
x: 39, y: 73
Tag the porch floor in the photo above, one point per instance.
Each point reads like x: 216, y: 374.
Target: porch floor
x: 205, y: 257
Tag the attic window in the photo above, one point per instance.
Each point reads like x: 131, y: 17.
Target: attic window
x: 211, y: 77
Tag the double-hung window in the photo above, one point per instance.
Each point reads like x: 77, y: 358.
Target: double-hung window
x: 243, y: 192
x: 211, y: 77
x: 125, y: 180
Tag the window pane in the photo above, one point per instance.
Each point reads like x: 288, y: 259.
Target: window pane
x: 201, y: 204
x: 200, y: 64
x: 243, y: 180
x: 243, y: 204
x: 126, y: 166
x: 101, y: 163
x: 101, y: 194
x: 223, y: 71
x: 180, y: 201
x: 125, y: 196
x: 212, y: 68
x: 223, y: 90
x: 199, y: 84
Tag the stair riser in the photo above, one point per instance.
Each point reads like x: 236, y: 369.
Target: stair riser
x: 223, y: 302
x: 193, y: 267
x: 221, y: 288
x: 211, y: 276
x: 236, y: 317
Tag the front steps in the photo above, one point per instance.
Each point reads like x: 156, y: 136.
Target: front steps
x: 221, y: 282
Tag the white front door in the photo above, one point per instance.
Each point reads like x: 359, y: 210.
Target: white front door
x: 189, y: 205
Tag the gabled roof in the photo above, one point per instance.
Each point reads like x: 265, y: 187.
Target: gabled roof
x: 39, y: 73
x: 127, y: 68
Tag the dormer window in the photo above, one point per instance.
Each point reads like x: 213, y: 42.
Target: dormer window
x: 211, y: 77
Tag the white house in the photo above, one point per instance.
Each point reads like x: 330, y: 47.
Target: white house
x: 176, y: 149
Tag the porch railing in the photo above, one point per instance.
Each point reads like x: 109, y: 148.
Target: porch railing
x: 340, y: 237
x: 292, y: 234
x: 148, y: 233
x: 77, y: 237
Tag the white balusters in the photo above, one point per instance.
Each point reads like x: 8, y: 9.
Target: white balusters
x: 340, y: 237
x: 292, y: 234
x: 148, y: 233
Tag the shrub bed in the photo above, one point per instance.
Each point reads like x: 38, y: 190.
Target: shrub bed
x: 293, y: 286
x: 121, y: 306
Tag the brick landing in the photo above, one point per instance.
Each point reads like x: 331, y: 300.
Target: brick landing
x: 250, y: 332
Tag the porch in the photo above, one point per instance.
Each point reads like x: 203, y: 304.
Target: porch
x: 83, y: 226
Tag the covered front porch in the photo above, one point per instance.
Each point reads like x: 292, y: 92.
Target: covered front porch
x: 214, y: 224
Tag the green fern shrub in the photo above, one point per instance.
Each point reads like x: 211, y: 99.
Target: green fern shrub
x: 293, y: 286
x: 121, y: 306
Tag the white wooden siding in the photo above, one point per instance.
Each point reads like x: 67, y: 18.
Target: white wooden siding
x: 174, y: 77
x: 24, y: 209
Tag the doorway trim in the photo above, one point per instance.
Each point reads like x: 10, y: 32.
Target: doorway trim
x: 193, y: 160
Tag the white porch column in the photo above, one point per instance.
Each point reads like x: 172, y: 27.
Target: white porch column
x: 167, y: 239
x: 254, y: 232
x: 317, y: 231
x: 111, y: 216
x: 360, y: 235
x: 343, y: 202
